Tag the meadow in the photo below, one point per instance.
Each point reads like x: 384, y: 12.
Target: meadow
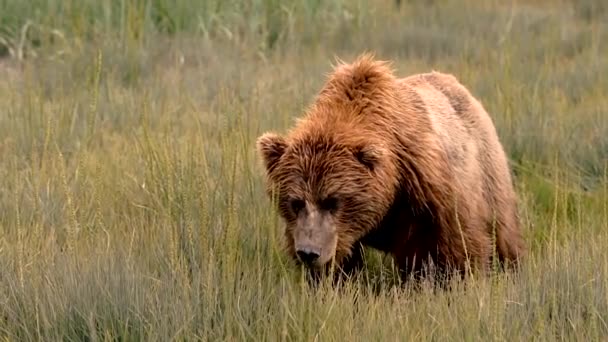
x: 132, y: 202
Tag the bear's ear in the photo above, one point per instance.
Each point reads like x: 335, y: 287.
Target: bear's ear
x: 368, y: 155
x: 271, y: 147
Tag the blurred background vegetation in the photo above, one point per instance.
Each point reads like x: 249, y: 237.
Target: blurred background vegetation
x: 131, y: 198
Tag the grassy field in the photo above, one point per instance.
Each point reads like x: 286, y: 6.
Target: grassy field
x: 132, y: 202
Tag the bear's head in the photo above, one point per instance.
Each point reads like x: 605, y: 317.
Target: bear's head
x: 330, y: 191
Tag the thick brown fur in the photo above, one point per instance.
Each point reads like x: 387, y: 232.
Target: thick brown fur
x: 415, y: 162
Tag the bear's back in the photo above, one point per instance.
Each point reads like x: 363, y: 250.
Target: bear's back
x: 473, y: 148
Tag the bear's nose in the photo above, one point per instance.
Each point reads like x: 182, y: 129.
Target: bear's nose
x: 307, y: 255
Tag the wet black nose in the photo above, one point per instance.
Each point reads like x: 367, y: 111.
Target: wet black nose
x: 307, y: 255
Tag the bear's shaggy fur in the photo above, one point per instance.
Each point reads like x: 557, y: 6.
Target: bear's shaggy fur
x: 410, y: 166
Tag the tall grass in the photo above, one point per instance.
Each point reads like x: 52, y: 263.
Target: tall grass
x: 131, y: 199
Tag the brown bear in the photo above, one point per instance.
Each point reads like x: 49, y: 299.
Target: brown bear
x: 410, y: 166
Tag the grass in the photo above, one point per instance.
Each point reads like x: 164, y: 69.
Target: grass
x: 132, y: 202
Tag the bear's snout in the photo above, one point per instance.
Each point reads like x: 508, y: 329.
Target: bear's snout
x: 314, y: 237
x: 308, y: 255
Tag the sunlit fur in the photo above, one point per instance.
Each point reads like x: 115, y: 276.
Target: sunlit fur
x: 414, y: 163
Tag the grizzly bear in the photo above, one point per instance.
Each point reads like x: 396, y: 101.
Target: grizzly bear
x: 410, y: 166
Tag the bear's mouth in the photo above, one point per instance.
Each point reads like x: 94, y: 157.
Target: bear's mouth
x: 316, y: 272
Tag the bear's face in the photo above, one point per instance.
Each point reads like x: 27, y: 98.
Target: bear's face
x: 327, y: 193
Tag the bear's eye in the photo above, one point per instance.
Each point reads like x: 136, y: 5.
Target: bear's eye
x: 296, y: 205
x: 329, y: 204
